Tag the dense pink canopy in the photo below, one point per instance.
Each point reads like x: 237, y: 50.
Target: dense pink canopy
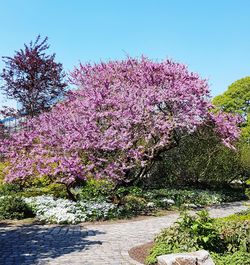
x: 122, y: 115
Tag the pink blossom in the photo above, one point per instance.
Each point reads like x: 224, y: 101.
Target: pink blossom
x: 123, y: 114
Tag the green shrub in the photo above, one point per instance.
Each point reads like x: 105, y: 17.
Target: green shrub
x: 94, y: 190
x: 37, y: 187
x: 9, y: 189
x: 226, y: 240
x: 133, y: 190
x: 133, y: 205
x: 237, y: 258
x: 3, y: 165
x: 12, y: 207
x: 188, y: 234
x: 236, y: 235
x: 57, y: 190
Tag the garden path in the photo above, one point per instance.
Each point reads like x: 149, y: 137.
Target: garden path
x: 93, y: 244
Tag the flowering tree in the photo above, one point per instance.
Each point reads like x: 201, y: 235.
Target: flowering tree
x: 120, y: 120
x: 33, y: 78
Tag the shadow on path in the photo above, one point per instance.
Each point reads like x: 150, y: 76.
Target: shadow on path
x: 228, y: 205
x: 33, y: 244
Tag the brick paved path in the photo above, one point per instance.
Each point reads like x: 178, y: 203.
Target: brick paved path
x: 105, y: 244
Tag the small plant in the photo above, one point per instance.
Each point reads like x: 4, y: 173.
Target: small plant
x: 236, y: 235
x: 237, y: 258
x: 205, y: 234
x: 134, y: 205
x: 12, y: 207
x: 94, y: 190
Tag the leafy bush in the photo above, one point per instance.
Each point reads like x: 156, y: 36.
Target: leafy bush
x: 224, y: 239
x: 200, y: 160
x: 236, y: 235
x: 133, y: 190
x: 33, y: 188
x: 188, y: 234
x: 133, y: 205
x: 94, y: 190
x: 54, y: 189
x: 3, y: 165
x: 7, y: 189
x: 237, y: 258
x: 12, y: 207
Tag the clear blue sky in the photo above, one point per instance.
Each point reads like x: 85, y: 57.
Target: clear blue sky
x: 210, y: 36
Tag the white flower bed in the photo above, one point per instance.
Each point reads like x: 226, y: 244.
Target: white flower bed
x: 61, y: 211
x: 98, y: 210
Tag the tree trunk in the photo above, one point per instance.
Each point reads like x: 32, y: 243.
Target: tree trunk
x: 71, y: 196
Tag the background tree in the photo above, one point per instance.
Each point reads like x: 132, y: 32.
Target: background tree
x: 200, y: 160
x: 33, y: 78
x: 237, y: 100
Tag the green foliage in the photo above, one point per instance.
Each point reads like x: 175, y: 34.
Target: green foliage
x: 57, y: 190
x: 3, y: 165
x: 238, y: 217
x: 13, y: 207
x: 237, y: 100
x: 133, y: 190
x: 248, y: 189
x: 133, y: 205
x: 224, y: 239
x: 94, y: 190
x: 188, y: 234
x: 202, y: 231
x: 43, y: 186
x: 245, y: 156
x: 236, y: 258
x: 9, y: 189
x: 200, y: 160
x: 236, y: 235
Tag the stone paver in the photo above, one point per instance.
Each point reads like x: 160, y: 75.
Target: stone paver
x: 104, y: 244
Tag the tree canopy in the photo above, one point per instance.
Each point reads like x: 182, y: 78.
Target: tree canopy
x: 237, y: 100
x: 122, y: 117
x: 33, y: 78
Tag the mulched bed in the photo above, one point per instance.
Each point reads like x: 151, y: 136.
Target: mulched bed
x: 140, y: 253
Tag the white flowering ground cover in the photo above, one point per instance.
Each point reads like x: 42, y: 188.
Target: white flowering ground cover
x: 62, y: 211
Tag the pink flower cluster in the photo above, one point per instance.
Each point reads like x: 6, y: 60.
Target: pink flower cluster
x: 121, y: 116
